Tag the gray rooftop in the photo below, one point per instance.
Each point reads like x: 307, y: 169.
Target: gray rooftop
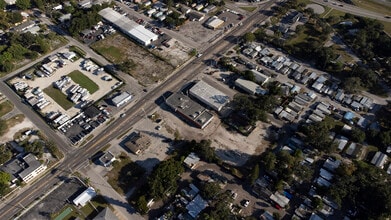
x: 21, y: 166
x: 190, y: 109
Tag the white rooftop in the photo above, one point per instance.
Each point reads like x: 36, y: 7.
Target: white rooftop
x: 129, y: 27
x: 85, y: 197
x: 209, y: 95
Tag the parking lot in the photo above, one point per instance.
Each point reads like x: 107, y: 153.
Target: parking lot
x: 55, y: 201
x: 45, y: 82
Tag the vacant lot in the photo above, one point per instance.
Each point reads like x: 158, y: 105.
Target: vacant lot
x: 85, y: 82
x: 143, y: 66
x: 124, y: 174
x: 59, y: 97
x: 5, y: 107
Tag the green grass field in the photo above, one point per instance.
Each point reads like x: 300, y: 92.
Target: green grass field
x: 59, y: 97
x: 85, y: 82
x: 374, y: 6
x: 248, y: 8
x: 111, y: 52
x: 5, y: 107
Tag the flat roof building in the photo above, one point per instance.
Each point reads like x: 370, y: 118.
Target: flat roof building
x: 190, y: 110
x: 250, y: 87
x: 85, y: 197
x: 209, y: 95
x: 214, y: 22
x: 129, y: 27
x: 196, y: 206
x: 107, y: 159
x: 137, y: 143
x: 25, y: 168
x: 121, y: 99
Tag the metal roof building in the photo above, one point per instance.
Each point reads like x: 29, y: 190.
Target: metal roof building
x: 214, y: 22
x: 85, y: 197
x: 250, y: 87
x: 260, y: 77
x: 209, y: 95
x: 132, y: 29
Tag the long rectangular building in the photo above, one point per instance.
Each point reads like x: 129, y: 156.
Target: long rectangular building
x: 129, y: 27
x: 209, y: 95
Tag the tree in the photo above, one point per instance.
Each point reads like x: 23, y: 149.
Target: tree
x: 254, y: 174
x: 249, y: 37
x: 15, y: 17
x: 5, y: 154
x: 2, y: 4
x: 39, y: 4
x: 210, y: 190
x: 357, y: 135
x: 268, y: 160
x: 164, y: 176
x: 352, y: 84
x: 385, y: 138
x: 249, y: 75
x: 23, y: 4
x: 4, y: 182
x: 317, y: 203
x: 141, y: 205
x: 318, y: 135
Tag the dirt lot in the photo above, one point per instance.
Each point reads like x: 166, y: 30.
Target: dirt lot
x: 118, y: 49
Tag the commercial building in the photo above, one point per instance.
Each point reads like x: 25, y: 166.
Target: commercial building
x: 24, y: 168
x: 209, y: 95
x: 121, y: 99
x: 107, y: 159
x: 190, y: 110
x: 85, y: 197
x: 214, y: 22
x: 128, y: 27
x: 250, y: 87
x: 137, y: 143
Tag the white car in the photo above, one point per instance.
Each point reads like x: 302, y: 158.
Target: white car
x: 246, y: 203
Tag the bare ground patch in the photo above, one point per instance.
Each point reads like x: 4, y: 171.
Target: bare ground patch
x: 148, y: 69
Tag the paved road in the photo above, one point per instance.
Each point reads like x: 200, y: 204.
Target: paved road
x: 353, y: 10
x: 79, y: 158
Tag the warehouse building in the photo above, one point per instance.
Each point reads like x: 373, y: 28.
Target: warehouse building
x: 189, y: 110
x: 214, y: 23
x: 129, y: 27
x: 250, y: 87
x: 121, y: 99
x: 209, y: 95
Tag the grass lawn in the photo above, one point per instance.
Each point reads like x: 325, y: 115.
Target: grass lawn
x: 345, y: 57
x: 111, y: 52
x: 59, y: 97
x: 374, y: 6
x: 248, y: 8
x: 301, y: 37
x: 5, y: 107
x: 124, y: 174
x: 85, y: 82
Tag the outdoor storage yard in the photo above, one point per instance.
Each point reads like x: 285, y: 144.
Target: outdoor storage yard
x: 97, y: 82
x: 118, y: 50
